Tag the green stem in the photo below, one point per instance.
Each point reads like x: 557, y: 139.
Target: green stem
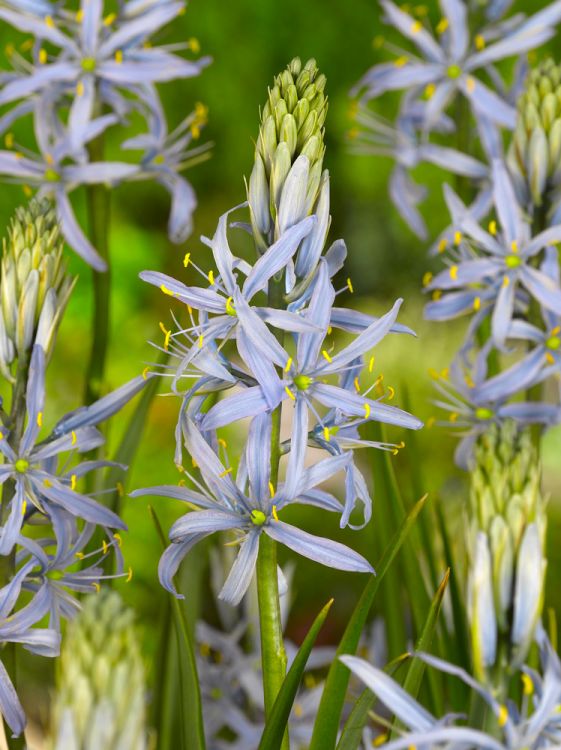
x: 273, y: 655
x: 98, y: 209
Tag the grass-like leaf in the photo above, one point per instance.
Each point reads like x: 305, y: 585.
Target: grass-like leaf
x: 329, y: 714
x: 276, y: 725
x: 192, y: 727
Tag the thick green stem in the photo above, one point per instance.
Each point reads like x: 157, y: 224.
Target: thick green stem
x: 272, y: 646
x: 98, y: 208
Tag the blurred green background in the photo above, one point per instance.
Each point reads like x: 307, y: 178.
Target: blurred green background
x: 250, y: 42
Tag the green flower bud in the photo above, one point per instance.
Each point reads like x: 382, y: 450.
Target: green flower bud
x: 506, y: 533
x: 291, y: 127
x: 533, y: 155
x: 100, y: 696
x: 34, y: 283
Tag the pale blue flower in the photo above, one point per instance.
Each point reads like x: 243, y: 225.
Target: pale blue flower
x: 249, y: 506
x: 496, y: 263
x: 533, y: 724
x: 447, y: 66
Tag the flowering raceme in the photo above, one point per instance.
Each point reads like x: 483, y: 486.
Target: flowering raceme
x: 274, y: 352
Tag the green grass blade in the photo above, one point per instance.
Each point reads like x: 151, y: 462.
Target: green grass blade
x: 327, y: 721
x: 412, y: 683
x: 276, y: 725
x: 192, y: 728
x: 351, y: 736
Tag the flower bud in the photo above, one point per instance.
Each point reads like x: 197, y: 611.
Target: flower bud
x: 291, y: 128
x: 533, y: 156
x: 100, y: 697
x: 34, y: 285
x: 506, y: 532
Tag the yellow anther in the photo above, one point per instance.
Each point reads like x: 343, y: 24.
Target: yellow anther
x: 427, y: 278
x: 23, y: 507
x: 181, y: 483
x: 379, y: 740
x: 391, y: 392
x: 1, y: 436
x: 49, y: 22
x: 167, y: 334
x: 79, y: 16
x: 204, y: 648
x: 350, y: 285
x: 47, y: 483
x: 289, y: 393
x: 40, y: 419
x: 477, y: 303
x: 550, y: 358
x: 225, y: 472
x: 326, y: 434
x: 129, y: 576
x: 27, y: 191
x: 371, y: 364
x: 108, y: 20
x: 329, y: 330
x: 506, y: 281
x: 416, y: 27
x: 211, y: 278
x: 430, y: 88
x: 356, y: 385
x: 9, y: 140
x: 186, y: 259
x: 556, y: 330
x: 145, y: 373
x: 430, y: 422
x: 229, y: 306
x: 298, y: 710
x: 401, y: 61
x: 73, y: 482
x: 527, y: 684
x: 502, y: 716
x: 96, y: 586
x: 118, y: 538
x: 326, y: 356
x: 49, y: 159
x: 119, y: 56
x: 288, y: 364
x: 442, y: 245
x: 194, y: 45
x: 165, y: 290
x: 201, y: 341
x: 79, y: 555
x: 457, y: 237
x: 42, y: 56
x: 493, y: 227
x: 73, y: 439
x: 80, y: 89
x: 453, y: 417
x: 189, y: 309
x: 367, y: 411
x: 105, y: 547
x: 470, y: 84
x: 120, y: 489
x: 194, y: 464
x: 514, y: 246
x: 479, y: 42
x: 26, y: 45
x: 453, y: 272
x: 222, y: 442
x: 442, y: 25
x: 436, y: 295
x: 274, y: 513
x: 272, y: 489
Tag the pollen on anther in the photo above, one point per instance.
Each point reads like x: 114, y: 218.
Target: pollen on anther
x: 40, y: 419
x: 350, y: 285
x: 129, y: 576
x: 274, y: 513
x: 326, y: 355
x: 145, y: 373
x: 74, y: 439
x: 367, y: 411
x: 186, y: 259
x: 289, y: 393
x: 272, y: 489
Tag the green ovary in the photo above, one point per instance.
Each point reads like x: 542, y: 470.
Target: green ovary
x: 454, y: 71
x: 303, y: 382
x: 483, y: 413
x: 553, y: 342
x: 21, y: 465
x: 512, y: 261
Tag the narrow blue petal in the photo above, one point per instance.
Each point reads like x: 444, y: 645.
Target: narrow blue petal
x: 248, y: 403
x: 239, y: 578
x: 203, y: 522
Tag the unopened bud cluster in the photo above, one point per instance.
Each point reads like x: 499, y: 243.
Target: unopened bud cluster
x: 534, y: 156
x: 100, y: 700
x: 507, y: 562
x: 287, y: 176
x: 34, y: 284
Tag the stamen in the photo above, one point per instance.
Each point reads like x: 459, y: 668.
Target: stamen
x: 23, y: 507
x: 145, y: 373
x: 210, y: 278
x: 427, y: 278
x: 96, y: 586
x: 201, y: 341
x: 453, y: 272
x: 356, y: 385
x: 367, y: 411
x: 442, y: 245
x: 105, y: 547
x: 477, y: 303
x: 274, y: 512
x: 167, y: 334
x: 326, y: 434
x: 225, y: 473
x: 288, y: 364
x: 479, y: 42
x: 493, y: 227
x: 350, y: 285
x: 289, y: 393
x: 42, y: 56
x: 186, y: 259
x: 391, y: 392
x: 371, y: 364
x: 74, y: 439
x: 129, y: 576
x: 73, y: 482
x: 502, y: 717
x: 165, y: 290
x: 119, y: 56
x: 470, y: 84
x: 271, y: 489
x: 457, y: 237
x: 40, y: 419
x: 326, y: 355
x: 117, y: 537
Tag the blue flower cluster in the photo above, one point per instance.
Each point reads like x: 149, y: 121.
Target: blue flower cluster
x: 262, y: 333
x: 40, y: 478
x: 90, y: 71
x: 502, y: 265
